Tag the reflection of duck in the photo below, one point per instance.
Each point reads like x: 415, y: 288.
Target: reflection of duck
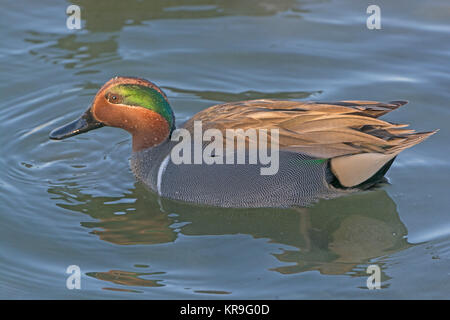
x: 322, y: 145
x: 333, y: 236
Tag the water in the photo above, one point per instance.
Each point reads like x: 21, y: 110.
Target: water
x: 76, y: 202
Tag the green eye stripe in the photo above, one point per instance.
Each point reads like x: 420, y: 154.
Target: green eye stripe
x: 136, y: 95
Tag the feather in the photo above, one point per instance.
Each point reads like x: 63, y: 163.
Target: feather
x: 348, y: 132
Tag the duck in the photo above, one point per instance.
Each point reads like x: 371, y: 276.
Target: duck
x: 324, y: 149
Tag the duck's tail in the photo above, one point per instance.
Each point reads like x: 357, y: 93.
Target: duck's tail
x: 359, y: 169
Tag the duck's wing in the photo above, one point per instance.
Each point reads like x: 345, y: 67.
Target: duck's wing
x: 347, y: 132
x: 322, y: 130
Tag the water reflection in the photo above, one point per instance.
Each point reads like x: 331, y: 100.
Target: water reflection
x: 127, y: 278
x: 84, y: 51
x: 113, y: 15
x: 97, y: 43
x: 95, y: 48
x: 333, y: 236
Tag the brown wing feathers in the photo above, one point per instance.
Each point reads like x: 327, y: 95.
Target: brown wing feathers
x: 323, y: 130
x: 347, y: 132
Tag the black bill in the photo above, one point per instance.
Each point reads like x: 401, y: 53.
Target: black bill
x: 83, y: 124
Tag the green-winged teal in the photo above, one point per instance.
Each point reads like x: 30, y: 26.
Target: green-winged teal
x: 325, y: 148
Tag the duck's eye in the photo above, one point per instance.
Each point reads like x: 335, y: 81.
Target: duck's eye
x: 113, y: 98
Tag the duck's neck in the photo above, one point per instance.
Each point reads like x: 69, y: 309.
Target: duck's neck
x: 148, y: 129
x: 144, y: 140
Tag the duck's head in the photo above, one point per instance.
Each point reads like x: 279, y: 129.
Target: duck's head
x: 133, y: 104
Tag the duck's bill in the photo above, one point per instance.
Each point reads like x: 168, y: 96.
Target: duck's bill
x: 83, y: 124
